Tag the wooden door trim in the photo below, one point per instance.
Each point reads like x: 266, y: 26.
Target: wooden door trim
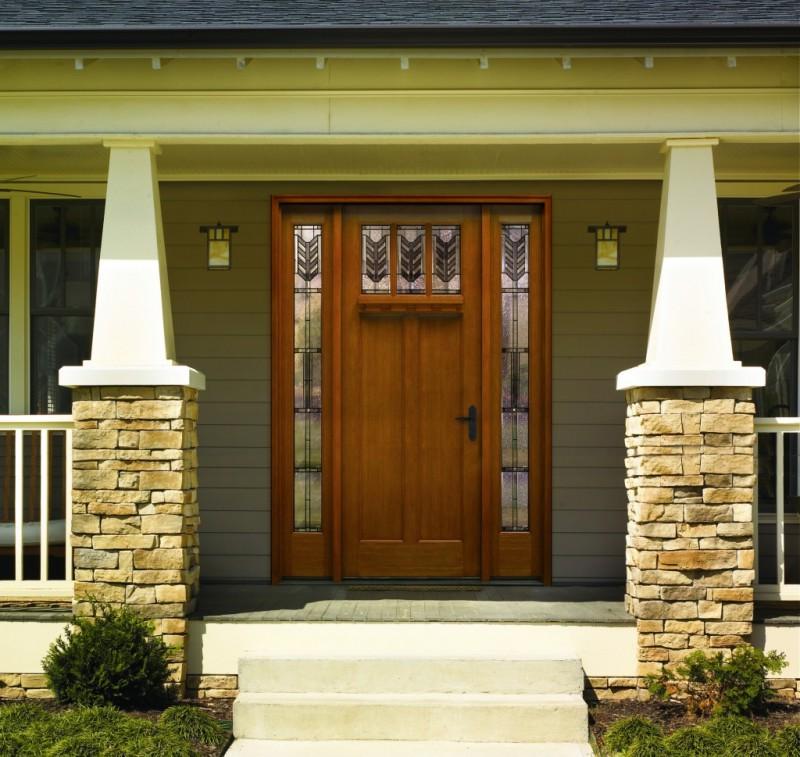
x: 281, y: 419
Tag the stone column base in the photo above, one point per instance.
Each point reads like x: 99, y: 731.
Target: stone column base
x: 135, y: 512
x: 690, y: 469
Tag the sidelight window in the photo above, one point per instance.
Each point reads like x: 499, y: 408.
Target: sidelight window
x: 308, y: 378
x: 515, y: 400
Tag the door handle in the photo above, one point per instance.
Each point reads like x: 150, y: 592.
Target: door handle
x: 470, y: 418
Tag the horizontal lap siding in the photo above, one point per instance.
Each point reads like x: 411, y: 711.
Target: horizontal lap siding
x: 600, y: 321
x: 222, y: 327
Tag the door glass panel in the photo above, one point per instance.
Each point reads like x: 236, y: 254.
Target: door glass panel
x: 411, y: 260
x: 777, y: 297
x: 375, y: 259
x: 446, y: 259
x: 514, y: 380
x: 308, y: 378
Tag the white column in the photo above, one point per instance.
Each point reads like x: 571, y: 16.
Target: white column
x: 689, y: 343
x: 133, y: 341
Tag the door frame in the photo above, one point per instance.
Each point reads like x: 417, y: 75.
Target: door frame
x: 322, y: 551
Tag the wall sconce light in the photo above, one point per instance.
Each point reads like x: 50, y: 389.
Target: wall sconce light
x: 607, y: 246
x: 219, y: 246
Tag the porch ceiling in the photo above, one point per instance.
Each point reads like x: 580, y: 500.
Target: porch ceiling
x: 398, y: 158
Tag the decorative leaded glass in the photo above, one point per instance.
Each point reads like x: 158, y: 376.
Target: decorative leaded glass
x: 515, y: 400
x: 446, y: 259
x: 411, y: 260
x: 375, y: 259
x: 307, y: 378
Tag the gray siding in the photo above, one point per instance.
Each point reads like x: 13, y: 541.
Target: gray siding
x: 222, y: 326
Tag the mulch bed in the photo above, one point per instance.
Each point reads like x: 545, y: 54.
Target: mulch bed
x: 221, y: 709
x: 671, y: 717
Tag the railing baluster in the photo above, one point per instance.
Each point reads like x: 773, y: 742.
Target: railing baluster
x: 44, y: 501
x: 68, y: 504
x: 779, y: 529
x: 755, y: 510
x: 19, y: 480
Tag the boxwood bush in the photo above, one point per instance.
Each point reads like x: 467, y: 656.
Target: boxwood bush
x: 113, y: 659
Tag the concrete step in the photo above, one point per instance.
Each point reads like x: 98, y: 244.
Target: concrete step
x: 260, y: 748
x: 410, y: 673
x: 312, y: 716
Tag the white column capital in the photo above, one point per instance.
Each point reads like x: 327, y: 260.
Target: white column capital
x: 132, y: 342
x: 689, y: 142
x: 689, y: 343
x: 132, y: 143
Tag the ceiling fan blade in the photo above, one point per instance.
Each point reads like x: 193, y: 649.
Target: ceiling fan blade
x: 18, y: 178
x: 39, y: 192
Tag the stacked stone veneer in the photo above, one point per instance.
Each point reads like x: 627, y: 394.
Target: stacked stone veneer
x: 690, y: 478
x: 135, y: 511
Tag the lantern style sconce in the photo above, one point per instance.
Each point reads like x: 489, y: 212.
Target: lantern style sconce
x: 219, y: 246
x: 607, y: 246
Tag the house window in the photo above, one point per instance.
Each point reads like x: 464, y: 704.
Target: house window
x: 4, y: 303
x: 65, y: 252
x: 760, y: 253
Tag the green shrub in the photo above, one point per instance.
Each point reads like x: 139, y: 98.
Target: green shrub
x: 787, y: 741
x: 735, y: 685
x: 730, y: 727
x: 693, y: 742
x: 754, y: 745
x: 622, y: 734
x: 159, y: 744
x: 113, y: 659
x: 647, y: 745
x: 193, y: 724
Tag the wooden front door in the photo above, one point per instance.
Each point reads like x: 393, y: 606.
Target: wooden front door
x: 410, y: 388
x: 411, y: 330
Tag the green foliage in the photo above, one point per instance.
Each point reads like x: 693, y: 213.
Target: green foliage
x: 30, y: 731
x: 647, y: 745
x: 754, y: 745
x: 694, y: 742
x: 787, y: 741
x: 730, y: 727
x: 622, y: 734
x: 734, y: 684
x: 193, y: 724
x: 113, y: 659
x: 19, y: 715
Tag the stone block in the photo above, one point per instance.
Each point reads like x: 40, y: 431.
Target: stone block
x: 85, y: 524
x: 94, y: 558
x: 734, y: 530
x: 683, y: 406
x: 672, y: 640
x: 160, y: 480
x: 737, y: 423
x: 725, y: 628
x: 172, y: 593
x: 708, y: 513
x: 93, y: 479
x: 733, y: 595
x: 162, y: 524
x: 654, y: 495
x: 33, y: 681
x: 93, y: 410
x: 94, y: 439
x: 727, y: 464
x: 124, y: 541
x: 140, y: 595
x: 674, y: 610
x: 151, y: 409
x: 709, y: 610
x: 160, y: 439
x: 737, y: 611
x: 691, y: 559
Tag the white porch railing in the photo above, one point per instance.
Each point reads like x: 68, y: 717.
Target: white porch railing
x: 780, y: 589
x: 36, y: 505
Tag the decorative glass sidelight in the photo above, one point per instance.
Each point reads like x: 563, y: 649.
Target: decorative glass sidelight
x: 308, y: 378
x: 375, y: 259
x: 446, y: 242
x: 411, y: 260
x: 515, y: 400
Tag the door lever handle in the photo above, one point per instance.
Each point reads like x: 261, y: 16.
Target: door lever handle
x: 471, y: 418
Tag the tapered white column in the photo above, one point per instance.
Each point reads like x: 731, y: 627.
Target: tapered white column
x: 133, y: 341
x: 689, y: 343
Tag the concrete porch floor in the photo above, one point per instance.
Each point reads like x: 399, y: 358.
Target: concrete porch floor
x: 384, y: 602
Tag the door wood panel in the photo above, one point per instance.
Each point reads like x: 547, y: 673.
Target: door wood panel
x: 411, y: 475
